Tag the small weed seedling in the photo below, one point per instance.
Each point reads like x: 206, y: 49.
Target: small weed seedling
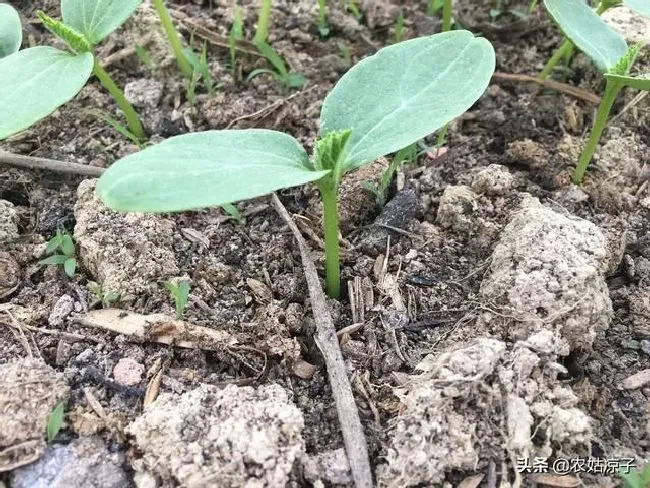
x: 399, y: 27
x: 323, y: 25
x: 263, y: 22
x: 280, y: 73
x: 236, y: 34
x: 637, y: 478
x: 609, y: 51
x: 200, y: 72
x: 565, y: 51
x: 62, y: 253
x: 184, y: 65
x: 180, y: 291
x: 384, y: 103
x: 54, y: 422
x: 346, y: 55
x: 352, y: 7
x: 105, y: 297
x: 11, y: 30
x: 36, y: 81
x: 434, y: 6
x: 408, y: 155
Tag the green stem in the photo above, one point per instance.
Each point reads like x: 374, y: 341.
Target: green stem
x: 611, y: 91
x: 446, y: 16
x: 174, y: 40
x: 442, y: 136
x: 328, y: 191
x: 262, y: 31
x: 559, y: 53
x: 132, y: 119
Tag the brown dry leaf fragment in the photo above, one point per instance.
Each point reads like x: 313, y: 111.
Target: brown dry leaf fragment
x: 152, y: 389
x: 636, y: 380
x: 304, y: 370
x: 196, y: 236
x: 472, y: 481
x: 262, y: 292
x: 555, y: 480
x: 21, y: 454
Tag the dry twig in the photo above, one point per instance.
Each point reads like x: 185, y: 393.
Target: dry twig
x: 553, y: 85
x: 30, y: 162
x: 327, y: 342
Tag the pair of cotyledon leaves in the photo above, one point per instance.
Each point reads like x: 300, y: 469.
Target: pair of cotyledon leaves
x: 389, y: 100
x: 591, y: 34
x: 36, y: 81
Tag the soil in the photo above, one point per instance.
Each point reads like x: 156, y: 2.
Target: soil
x: 504, y: 312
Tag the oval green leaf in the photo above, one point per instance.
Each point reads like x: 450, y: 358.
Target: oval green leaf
x: 96, y: 19
x: 584, y: 27
x: 205, y: 169
x: 640, y: 82
x: 35, y: 82
x: 406, y: 91
x: 11, y: 30
x: 641, y: 7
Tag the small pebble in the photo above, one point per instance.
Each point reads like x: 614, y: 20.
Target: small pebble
x: 128, y: 372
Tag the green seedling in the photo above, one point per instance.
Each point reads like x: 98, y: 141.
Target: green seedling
x: 145, y: 58
x: 370, y: 112
x: 280, y: 73
x: 637, y: 478
x: 323, y: 25
x: 105, y: 297
x: 11, y: 30
x: 434, y: 6
x: 263, y: 22
x: 609, y: 52
x: 408, y: 155
x: 352, y: 7
x: 54, y: 422
x: 446, y: 16
x: 117, y: 126
x: 180, y: 291
x: 233, y: 212
x: 399, y: 27
x: 36, y: 81
x: 565, y: 51
x: 174, y: 39
x: 346, y: 55
x: 62, y: 253
x: 201, y: 69
x: 236, y: 34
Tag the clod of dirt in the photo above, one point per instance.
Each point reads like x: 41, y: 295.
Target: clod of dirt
x: 457, y: 204
x: 83, y: 463
x: 470, y: 403
x: 493, y: 180
x: 63, y: 307
x: 632, y: 26
x: 8, y: 222
x: 330, y: 466
x: 29, y: 391
x: 126, y: 253
x: 128, y: 372
x: 144, y: 93
x: 397, y: 213
x: 238, y: 436
x: 528, y: 153
x: 10, y: 275
x: 548, y: 272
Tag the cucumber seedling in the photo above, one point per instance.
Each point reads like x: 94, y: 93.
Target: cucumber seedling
x: 36, y: 81
x: 565, y: 51
x: 11, y: 30
x: 384, y: 103
x: 611, y: 54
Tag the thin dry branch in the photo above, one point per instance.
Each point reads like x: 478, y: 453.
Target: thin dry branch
x: 30, y: 162
x: 553, y: 85
x: 327, y: 342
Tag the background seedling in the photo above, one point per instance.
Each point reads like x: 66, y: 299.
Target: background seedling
x: 346, y: 56
x: 637, y: 478
x: 352, y: 7
x: 323, y: 25
x: 280, y: 73
x: 399, y: 27
x: 236, y: 34
x: 48, y: 77
x: 61, y: 248
x: 565, y: 51
x: 174, y: 39
x: 11, y: 30
x: 408, y: 155
x: 180, y: 291
x: 263, y: 22
x: 105, y: 297
x: 54, y: 422
x: 441, y: 76
x: 609, y: 52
